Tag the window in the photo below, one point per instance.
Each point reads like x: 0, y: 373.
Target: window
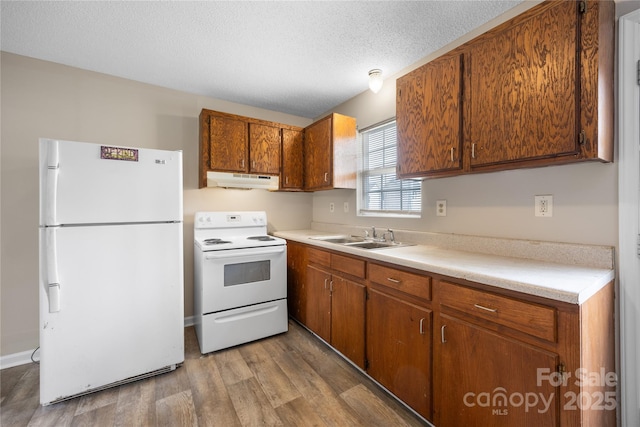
x: 381, y: 193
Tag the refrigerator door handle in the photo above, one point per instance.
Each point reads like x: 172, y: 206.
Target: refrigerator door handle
x: 53, y: 165
x: 52, y: 270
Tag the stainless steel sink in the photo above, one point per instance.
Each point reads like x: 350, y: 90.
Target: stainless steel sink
x: 340, y: 239
x: 359, y: 242
x: 376, y: 245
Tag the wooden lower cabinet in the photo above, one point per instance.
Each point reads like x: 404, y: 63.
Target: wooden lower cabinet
x: 483, y: 379
x: 296, y: 281
x: 336, y: 312
x: 399, y: 349
x: 319, y: 302
x: 461, y: 353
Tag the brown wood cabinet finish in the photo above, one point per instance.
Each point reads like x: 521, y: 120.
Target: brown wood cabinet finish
x: 335, y: 306
x: 399, y: 348
x: 417, y: 285
x: 319, y: 302
x: 524, y: 88
x: 477, y: 373
x: 228, y: 144
x: 533, y: 319
x: 536, y: 90
x: 330, y: 153
x: 264, y: 149
x: 232, y: 143
x: 429, y: 344
x: 348, y: 300
x: 297, y: 261
x: 292, y: 177
x: 429, y: 118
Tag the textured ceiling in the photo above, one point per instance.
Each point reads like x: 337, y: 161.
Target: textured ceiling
x: 300, y: 57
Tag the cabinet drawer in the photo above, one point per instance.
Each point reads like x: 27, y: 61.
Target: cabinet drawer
x: 410, y: 283
x: 319, y: 257
x: 533, y: 319
x: 345, y: 264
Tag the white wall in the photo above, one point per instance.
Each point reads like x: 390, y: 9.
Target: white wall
x: 42, y: 99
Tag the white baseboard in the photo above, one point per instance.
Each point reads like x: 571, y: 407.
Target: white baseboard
x: 17, y: 359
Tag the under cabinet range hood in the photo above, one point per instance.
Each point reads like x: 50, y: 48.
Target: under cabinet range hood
x: 242, y: 180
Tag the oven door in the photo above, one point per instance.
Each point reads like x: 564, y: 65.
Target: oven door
x: 240, y: 277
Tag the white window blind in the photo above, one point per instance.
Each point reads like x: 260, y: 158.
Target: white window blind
x: 381, y: 193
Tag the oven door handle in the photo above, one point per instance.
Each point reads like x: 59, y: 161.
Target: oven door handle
x: 239, y: 253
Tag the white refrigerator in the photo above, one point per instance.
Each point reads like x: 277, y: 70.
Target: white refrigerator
x: 111, y: 266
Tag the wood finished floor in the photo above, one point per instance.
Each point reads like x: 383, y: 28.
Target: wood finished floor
x: 291, y: 379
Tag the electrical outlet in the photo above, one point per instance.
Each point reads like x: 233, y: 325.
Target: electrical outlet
x: 544, y: 205
x: 441, y: 208
x: 332, y: 207
x: 345, y: 207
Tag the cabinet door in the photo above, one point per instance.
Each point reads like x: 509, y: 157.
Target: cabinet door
x: 428, y: 114
x: 523, y: 83
x: 347, y: 318
x: 399, y: 349
x: 296, y: 281
x: 292, y: 178
x: 318, y: 155
x: 483, y: 379
x: 228, y: 144
x: 319, y: 302
x: 264, y: 149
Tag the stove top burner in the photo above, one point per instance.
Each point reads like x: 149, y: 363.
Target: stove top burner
x: 261, y: 238
x: 215, y: 241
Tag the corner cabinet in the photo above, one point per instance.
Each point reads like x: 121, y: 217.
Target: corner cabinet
x: 536, y: 90
x: 330, y: 153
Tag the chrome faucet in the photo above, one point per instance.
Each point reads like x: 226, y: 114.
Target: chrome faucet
x: 392, y: 237
x: 373, y: 233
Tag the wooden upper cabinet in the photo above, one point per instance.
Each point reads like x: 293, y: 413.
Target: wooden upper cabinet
x: 228, y: 144
x: 429, y: 118
x: 264, y: 149
x: 524, y: 91
x: 292, y: 177
x: 534, y: 91
x: 330, y: 153
x: 232, y: 143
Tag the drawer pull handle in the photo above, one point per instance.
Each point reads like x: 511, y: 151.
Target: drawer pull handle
x: 442, y: 338
x: 325, y: 283
x: 493, y: 310
x: 422, y: 326
x: 392, y: 280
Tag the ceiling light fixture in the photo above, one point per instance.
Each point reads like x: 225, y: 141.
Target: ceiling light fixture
x: 375, y: 80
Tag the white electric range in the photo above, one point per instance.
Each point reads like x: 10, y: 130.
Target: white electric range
x: 240, y: 279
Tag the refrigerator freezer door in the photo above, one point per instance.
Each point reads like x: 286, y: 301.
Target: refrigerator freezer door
x: 118, y: 310
x: 83, y: 183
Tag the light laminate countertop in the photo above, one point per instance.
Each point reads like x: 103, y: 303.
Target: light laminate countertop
x: 565, y: 282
